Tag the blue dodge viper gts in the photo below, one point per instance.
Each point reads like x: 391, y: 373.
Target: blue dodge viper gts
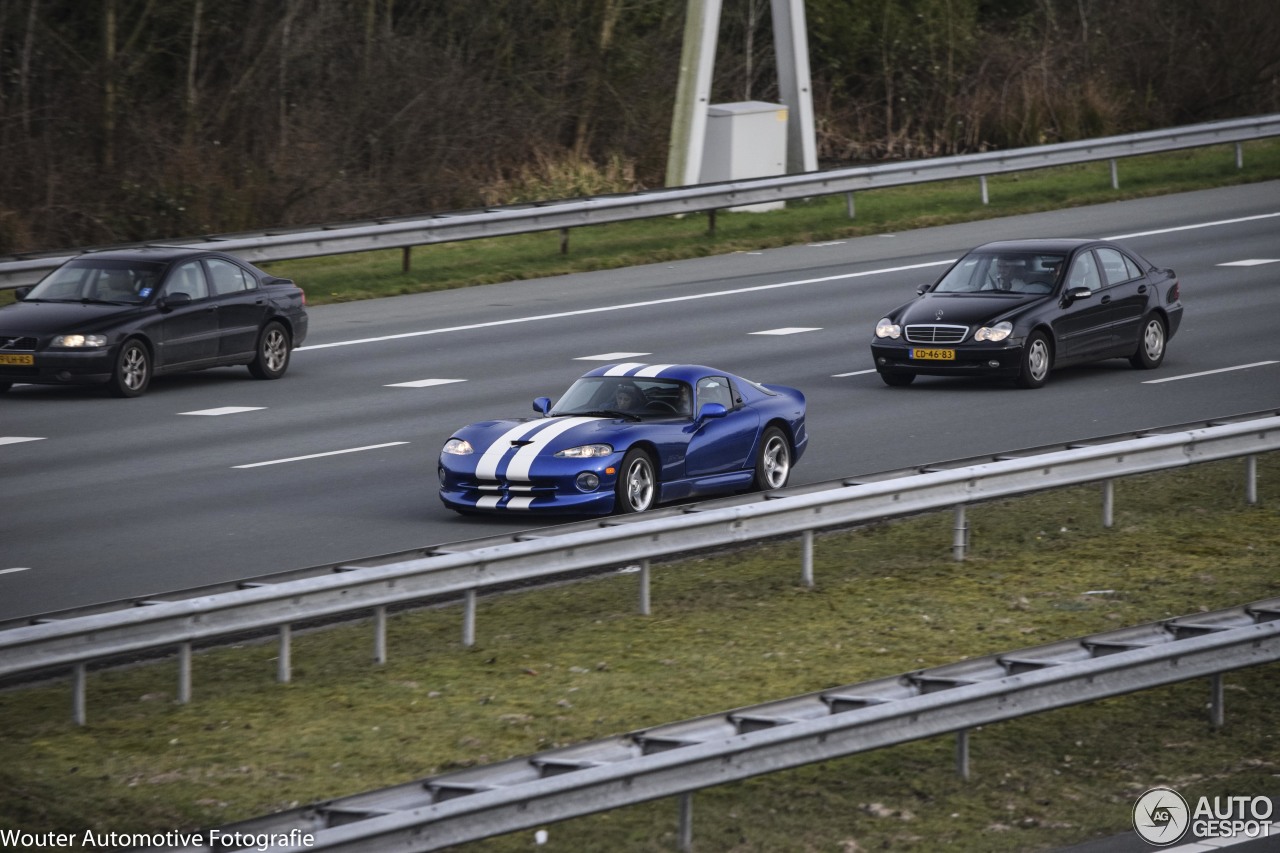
x: 626, y: 437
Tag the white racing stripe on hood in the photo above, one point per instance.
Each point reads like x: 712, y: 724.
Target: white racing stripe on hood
x: 518, y: 469
x: 653, y: 370
x: 624, y: 369
x: 487, y: 467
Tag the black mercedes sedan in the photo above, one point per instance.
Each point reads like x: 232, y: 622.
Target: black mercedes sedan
x: 120, y: 317
x: 1020, y: 308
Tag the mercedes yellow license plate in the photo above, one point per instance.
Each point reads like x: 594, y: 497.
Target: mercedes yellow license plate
x: 933, y: 354
x: 26, y: 360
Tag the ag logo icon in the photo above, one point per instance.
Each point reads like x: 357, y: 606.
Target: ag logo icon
x: 1161, y: 816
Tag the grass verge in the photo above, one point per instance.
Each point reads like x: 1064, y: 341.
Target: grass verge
x: 573, y: 663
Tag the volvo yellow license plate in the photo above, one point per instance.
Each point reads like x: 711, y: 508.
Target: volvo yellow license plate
x: 933, y: 354
x: 25, y: 360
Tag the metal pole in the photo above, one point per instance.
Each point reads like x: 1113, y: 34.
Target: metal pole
x: 962, y: 754
x: 686, y: 823
x: 1251, y: 479
x: 406, y: 258
x: 1217, y: 707
x: 469, y: 619
x: 1239, y: 155
x: 284, y: 667
x: 985, y: 198
x: 1115, y: 176
x: 848, y: 203
x: 380, y: 634
x: 564, y: 241
x: 959, y: 536
x: 693, y: 92
x: 184, y: 673
x: 77, y: 694
x: 806, y: 558
x: 1108, y: 502
x: 644, y: 587
x: 791, y: 48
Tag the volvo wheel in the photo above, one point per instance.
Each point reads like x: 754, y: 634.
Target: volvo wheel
x: 132, y: 372
x: 272, y: 358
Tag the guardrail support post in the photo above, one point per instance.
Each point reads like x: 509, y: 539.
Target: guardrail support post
x: 1217, y: 702
x: 284, y: 665
x: 184, y: 674
x: 380, y: 634
x: 686, y: 823
x: 77, y: 694
x: 962, y: 754
x: 1115, y: 176
x: 1239, y: 155
x: 711, y: 222
x: 806, y: 558
x: 564, y: 241
x: 406, y: 258
x: 644, y: 587
x: 1251, y: 479
x: 848, y: 203
x: 1108, y: 502
x: 469, y: 619
x: 960, y: 535
x: 985, y: 197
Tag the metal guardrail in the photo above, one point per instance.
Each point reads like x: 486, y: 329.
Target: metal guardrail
x: 406, y: 232
x: 563, y: 528
x: 680, y: 758
x: 178, y: 624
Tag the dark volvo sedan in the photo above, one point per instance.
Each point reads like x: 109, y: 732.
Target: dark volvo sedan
x: 120, y: 317
x: 1020, y: 308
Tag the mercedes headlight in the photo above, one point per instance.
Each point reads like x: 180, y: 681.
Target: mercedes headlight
x: 886, y: 328
x: 998, y: 332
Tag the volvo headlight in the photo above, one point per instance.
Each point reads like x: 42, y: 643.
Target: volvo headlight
x: 80, y: 341
x: 586, y: 451
x: 458, y: 447
x: 886, y: 328
x: 998, y: 332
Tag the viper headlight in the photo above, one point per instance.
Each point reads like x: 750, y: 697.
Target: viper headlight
x: 886, y: 328
x: 586, y: 451
x: 458, y: 447
x: 995, y: 333
x: 77, y: 341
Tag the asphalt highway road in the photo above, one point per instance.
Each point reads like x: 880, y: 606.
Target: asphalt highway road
x: 215, y: 476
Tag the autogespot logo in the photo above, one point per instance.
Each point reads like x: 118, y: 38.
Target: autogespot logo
x: 1161, y: 816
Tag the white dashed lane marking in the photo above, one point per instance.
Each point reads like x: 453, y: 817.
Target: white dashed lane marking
x: 319, y: 455
x: 424, y: 383
x: 225, y: 410
x: 11, y: 571
x: 1208, y: 372
x: 789, y: 330
x: 17, y: 439
x: 1251, y: 262
x: 612, y: 356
